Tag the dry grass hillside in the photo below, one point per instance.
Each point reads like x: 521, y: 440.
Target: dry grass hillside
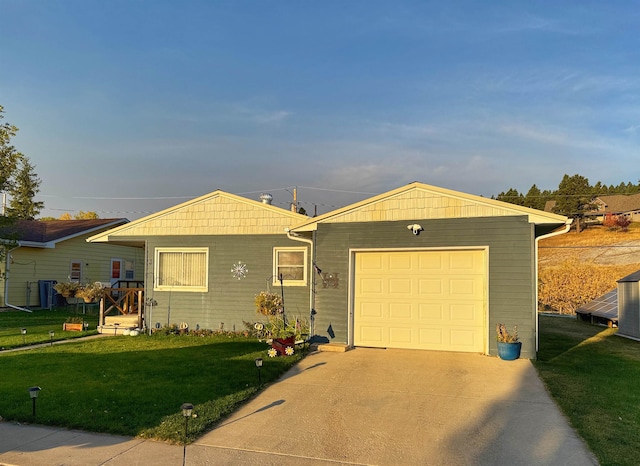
x: 578, y: 267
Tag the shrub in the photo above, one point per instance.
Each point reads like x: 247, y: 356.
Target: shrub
x: 566, y: 287
x: 623, y: 222
x: 269, y: 304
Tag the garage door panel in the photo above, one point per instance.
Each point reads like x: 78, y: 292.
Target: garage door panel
x: 372, y: 310
x: 400, y: 336
x: 400, y: 311
x: 372, y: 334
x: 401, y: 286
x: 400, y: 262
x: 372, y: 285
x: 431, y: 286
x: 467, y: 314
x: 430, y: 311
x: 437, y: 303
x: 430, y: 338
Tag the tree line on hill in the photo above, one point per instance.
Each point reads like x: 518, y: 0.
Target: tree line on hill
x: 573, y: 197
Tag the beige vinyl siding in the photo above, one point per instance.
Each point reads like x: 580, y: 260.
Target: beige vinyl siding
x: 229, y: 300
x: 218, y: 213
x: 510, y: 262
x: 32, y: 264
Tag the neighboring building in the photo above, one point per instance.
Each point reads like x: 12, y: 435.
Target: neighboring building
x: 619, y: 204
x: 42, y: 252
x: 417, y: 267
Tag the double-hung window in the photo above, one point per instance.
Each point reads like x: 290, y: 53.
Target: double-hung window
x: 75, y: 271
x: 290, y: 264
x: 181, y: 269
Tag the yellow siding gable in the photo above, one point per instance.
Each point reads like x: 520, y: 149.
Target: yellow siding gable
x: 218, y: 213
x: 420, y: 201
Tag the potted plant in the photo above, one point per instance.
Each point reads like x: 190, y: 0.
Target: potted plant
x: 90, y: 292
x: 73, y: 324
x: 508, y: 345
x: 67, y: 289
x: 280, y: 332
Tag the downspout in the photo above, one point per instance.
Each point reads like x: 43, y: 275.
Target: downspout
x: 567, y: 227
x: 6, y: 282
x: 312, y: 277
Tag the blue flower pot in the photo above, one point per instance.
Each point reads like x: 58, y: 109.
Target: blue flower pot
x: 509, y: 351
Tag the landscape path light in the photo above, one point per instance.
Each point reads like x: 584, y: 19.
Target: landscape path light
x: 259, y: 366
x: 33, y: 393
x: 187, y: 409
x: 24, y: 335
x: 51, y: 334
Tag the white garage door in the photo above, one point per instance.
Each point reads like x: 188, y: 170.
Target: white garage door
x: 420, y: 299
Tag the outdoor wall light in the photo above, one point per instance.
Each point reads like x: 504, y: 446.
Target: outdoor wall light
x: 259, y: 366
x: 415, y: 228
x: 24, y: 335
x: 33, y: 393
x: 187, y: 409
x: 51, y: 334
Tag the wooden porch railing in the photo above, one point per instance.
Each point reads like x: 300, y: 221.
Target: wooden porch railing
x: 126, y: 301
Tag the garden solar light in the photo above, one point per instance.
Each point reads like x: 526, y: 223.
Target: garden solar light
x: 187, y: 409
x: 24, y: 333
x: 51, y: 334
x: 259, y: 366
x: 85, y: 325
x: 33, y: 393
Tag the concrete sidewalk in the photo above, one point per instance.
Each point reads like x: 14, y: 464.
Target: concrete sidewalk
x: 366, y: 406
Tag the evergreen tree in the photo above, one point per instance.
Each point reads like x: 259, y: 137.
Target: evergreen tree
x: 24, y: 188
x: 573, y: 196
x: 534, y: 198
x: 512, y: 196
x: 9, y: 156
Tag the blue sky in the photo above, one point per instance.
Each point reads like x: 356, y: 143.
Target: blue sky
x: 130, y: 107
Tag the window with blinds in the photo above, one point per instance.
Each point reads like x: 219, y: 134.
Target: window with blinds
x: 181, y: 269
x: 291, y: 265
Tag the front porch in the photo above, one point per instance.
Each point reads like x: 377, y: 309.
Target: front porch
x: 121, y: 309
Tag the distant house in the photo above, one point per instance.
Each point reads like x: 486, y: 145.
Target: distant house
x: 418, y: 267
x: 619, y: 204
x: 41, y: 253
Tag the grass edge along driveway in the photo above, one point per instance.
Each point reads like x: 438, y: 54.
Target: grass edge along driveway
x: 594, y: 377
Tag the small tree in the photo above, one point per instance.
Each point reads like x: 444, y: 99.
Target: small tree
x: 23, y: 190
x: 623, y: 222
x: 610, y: 221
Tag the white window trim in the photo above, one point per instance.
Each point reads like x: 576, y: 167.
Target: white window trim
x: 285, y: 282
x: 76, y: 261
x: 156, y: 271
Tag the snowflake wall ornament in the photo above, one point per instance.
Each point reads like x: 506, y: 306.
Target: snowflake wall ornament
x: 239, y: 270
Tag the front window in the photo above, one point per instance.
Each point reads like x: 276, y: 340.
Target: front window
x: 75, y: 273
x: 181, y: 269
x: 290, y: 264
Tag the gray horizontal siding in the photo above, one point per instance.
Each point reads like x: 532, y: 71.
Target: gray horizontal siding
x: 229, y: 301
x: 511, y: 266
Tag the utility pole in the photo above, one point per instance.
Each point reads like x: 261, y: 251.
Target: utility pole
x: 294, y: 204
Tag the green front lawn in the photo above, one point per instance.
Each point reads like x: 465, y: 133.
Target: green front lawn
x: 594, y: 377
x: 38, y: 324
x: 136, y: 385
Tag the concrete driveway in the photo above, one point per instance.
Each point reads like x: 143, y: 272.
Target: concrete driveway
x: 399, y: 407
x: 366, y: 406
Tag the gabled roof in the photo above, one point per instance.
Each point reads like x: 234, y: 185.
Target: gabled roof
x: 421, y: 201
x: 620, y: 203
x: 46, y: 233
x: 217, y: 213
